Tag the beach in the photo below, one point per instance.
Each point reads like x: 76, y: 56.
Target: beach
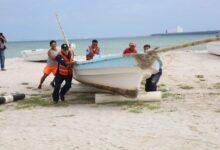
x: 188, y: 117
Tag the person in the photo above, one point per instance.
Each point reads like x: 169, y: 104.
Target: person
x: 131, y: 50
x: 64, y: 73
x: 93, y: 50
x: 151, y: 83
x: 2, y: 51
x: 51, y: 66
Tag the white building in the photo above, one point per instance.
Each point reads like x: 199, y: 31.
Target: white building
x: 178, y: 29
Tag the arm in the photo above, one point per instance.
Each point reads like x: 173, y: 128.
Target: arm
x: 124, y: 52
x: 3, y: 38
x: 60, y: 60
x: 89, y: 55
x: 51, y: 55
x: 98, y: 51
x: 160, y: 62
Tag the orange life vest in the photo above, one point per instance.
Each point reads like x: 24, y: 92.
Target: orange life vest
x: 92, y: 52
x: 66, y: 70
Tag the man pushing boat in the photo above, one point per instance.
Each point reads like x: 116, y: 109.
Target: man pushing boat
x: 65, y: 59
x: 51, y: 66
x: 151, y: 83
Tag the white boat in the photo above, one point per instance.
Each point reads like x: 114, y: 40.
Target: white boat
x: 37, y: 55
x: 40, y: 55
x: 119, y: 74
x: 214, y: 48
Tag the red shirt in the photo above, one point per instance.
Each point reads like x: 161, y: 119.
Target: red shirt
x: 127, y: 51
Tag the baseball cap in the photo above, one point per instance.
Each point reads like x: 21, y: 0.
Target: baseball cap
x: 132, y: 44
x: 64, y: 47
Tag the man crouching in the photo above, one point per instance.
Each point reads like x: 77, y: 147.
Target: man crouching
x: 64, y: 73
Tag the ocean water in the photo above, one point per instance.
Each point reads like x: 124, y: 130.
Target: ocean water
x: 109, y: 45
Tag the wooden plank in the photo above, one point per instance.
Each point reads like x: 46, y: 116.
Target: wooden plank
x: 146, y: 97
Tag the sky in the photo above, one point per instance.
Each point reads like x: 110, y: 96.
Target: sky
x: 35, y: 19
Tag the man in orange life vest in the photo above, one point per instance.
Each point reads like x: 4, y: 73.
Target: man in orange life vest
x: 131, y: 50
x: 64, y: 73
x: 93, y: 50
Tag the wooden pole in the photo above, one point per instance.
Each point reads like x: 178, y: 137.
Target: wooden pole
x: 61, y: 29
x: 188, y: 45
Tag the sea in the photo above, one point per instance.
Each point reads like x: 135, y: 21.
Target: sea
x: 110, y: 45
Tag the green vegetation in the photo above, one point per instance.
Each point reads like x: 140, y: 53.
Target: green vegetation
x: 81, y: 98
x: 136, y: 106
x: 218, y: 110
x: 153, y: 106
x: 46, y: 95
x: 202, y: 80
x: 1, y: 110
x: 24, y: 83
x: 185, y: 87
x: 3, y: 94
x: 143, y: 82
x: 36, y: 101
x: 214, y: 94
x: 65, y: 116
x: 199, y: 76
x: 23, y: 107
x: 162, y: 88
x: 167, y: 95
x: 173, y: 110
x: 135, y: 110
x: 171, y: 95
x: 216, y: 86
x: 29, y: 88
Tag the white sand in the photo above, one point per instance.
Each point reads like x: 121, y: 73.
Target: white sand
x: 189, y: 123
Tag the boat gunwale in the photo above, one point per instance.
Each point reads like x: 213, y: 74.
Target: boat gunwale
x: 104, y: 59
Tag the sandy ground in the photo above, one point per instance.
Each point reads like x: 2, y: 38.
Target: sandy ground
x: 188, y: 116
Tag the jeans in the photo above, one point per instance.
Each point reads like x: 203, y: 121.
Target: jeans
x: 2, y: 59
x: 151, y: 83
x: 58, y: 81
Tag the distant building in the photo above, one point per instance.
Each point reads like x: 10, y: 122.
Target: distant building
x: 178, y: 29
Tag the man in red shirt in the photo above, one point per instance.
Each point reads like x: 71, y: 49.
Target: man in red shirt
x: 131, y: 50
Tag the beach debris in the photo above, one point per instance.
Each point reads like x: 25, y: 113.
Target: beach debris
x: 200, y: 76
x: 11, y: 98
